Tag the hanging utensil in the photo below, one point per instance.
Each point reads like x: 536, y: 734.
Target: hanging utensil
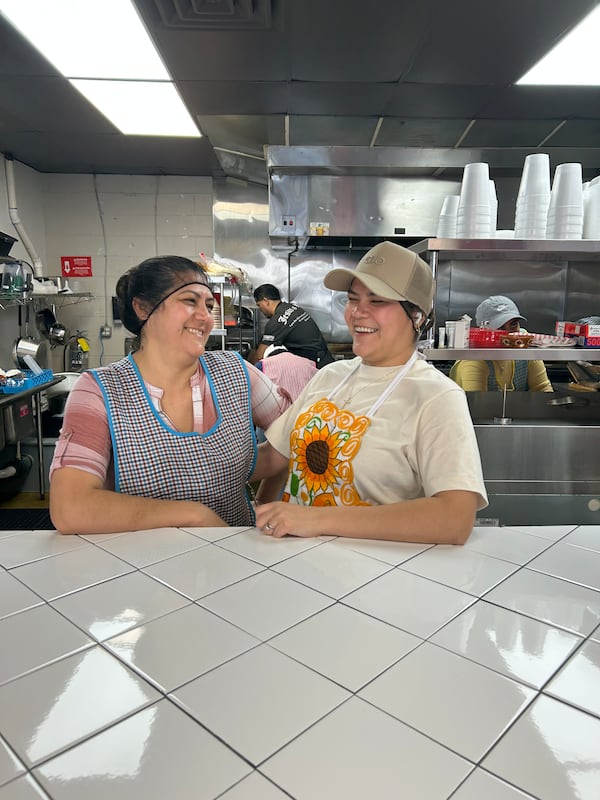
x: 27, y: 346
x: 44, y: 320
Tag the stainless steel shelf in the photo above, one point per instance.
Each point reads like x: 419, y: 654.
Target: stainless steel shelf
x: 8, y: 300
x: 63, y: 299
x: 516, y: 353
x: 512, y: 249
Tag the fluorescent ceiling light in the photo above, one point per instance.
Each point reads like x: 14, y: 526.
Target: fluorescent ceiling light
x: 105, y: 43
x: 573, y: 61
x: 137, y: 106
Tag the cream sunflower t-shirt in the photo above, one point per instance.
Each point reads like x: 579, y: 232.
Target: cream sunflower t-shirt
x: 420, y: 442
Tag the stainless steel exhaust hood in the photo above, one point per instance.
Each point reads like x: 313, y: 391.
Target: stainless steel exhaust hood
x: 350, y: 197
x: 355, y: 196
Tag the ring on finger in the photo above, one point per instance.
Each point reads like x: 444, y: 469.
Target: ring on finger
x: 269, y: 527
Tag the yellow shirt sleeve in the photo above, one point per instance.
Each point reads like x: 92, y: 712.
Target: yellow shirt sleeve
x: 537, y: 377
x: 472, y: 376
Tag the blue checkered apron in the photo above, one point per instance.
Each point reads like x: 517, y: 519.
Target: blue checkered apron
x: 520, y: 381
x: 153, y: 460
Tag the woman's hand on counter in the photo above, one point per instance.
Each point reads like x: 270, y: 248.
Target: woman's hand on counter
x: 446, y: 518
x: 282, y: 519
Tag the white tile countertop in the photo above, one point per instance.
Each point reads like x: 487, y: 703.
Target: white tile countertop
x: 220, y: 663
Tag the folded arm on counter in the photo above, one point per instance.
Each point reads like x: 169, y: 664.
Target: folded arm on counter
x: 79, y: 503
x: 446, y: 518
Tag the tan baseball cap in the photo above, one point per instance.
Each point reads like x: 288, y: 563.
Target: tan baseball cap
x: 391, y: 271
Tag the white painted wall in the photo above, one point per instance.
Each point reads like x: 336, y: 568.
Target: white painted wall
x: 118, y: 220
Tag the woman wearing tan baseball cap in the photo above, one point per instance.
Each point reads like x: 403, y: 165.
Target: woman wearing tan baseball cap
x: 380, y: 446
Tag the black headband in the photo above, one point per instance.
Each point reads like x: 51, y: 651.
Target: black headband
x: 176, y: 289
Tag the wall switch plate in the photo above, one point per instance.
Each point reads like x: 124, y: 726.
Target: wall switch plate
x: 105, y: 332
x: 288, y: 221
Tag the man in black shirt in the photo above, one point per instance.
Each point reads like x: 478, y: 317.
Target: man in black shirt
x: 291, y: 326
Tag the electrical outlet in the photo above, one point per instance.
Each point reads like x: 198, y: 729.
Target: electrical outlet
x: 288, y: 221
x: 105, y: 332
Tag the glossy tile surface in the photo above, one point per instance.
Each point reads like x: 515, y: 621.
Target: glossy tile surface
x: 430, y: 680
x: 576, y: 564
x: 265, y: 604
x: 393, y: 553
x: 70, y: 572
x: 156, y: 754
x: 141, y: 548
x: 221, y: 664
x: 335, y: 571
x: 15, y: 596
x: 10, y: 766
x: 578, y: 682
x: 481, y: 784
x: 588, y: 537
x: 415, y: 604
x: 514, y: 645
x: 553, y: 600
x: 552, y: 751
x: 204, y: 571
x: 114, y: 606
x: 28, y: 546
x: 34, y: 638
x: 265, y: 549
x: 509, y: 544
x: 358, y: 751
x: 254, y: 787
x: 53, y: 708
x: 468, y: 571
x: 214, y: 534
x: 327, y: 642
x: 270, y: 697
x: 24, y: 788
x: 178, y: 647
x: 552, y: 532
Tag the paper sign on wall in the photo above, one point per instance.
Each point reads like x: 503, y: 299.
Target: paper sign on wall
x: 76, y: 266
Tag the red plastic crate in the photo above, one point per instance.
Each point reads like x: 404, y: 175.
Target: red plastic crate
x: 484, y: 337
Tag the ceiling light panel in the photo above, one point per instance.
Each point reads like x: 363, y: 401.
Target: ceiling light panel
x: 140, y: 108
x: 574, y: 61
x: 88, y: 40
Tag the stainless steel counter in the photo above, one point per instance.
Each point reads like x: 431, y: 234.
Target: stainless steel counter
x: 539, y: 455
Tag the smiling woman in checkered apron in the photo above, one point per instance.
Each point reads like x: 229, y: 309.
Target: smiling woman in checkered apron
x: 164, y: 437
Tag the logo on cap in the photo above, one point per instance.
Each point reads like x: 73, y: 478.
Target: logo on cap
x: 374, y: 260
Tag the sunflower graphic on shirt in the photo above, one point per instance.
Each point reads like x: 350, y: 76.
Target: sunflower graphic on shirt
x: 324, y: 442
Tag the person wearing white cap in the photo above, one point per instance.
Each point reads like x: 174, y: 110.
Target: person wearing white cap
x: 289, y: 372
x: 286, y: 370
x: 381, y: 446
x: 500, y: 313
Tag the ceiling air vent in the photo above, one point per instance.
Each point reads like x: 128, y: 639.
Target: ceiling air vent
x: 216, y: 14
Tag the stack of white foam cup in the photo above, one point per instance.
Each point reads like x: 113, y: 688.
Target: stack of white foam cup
x: 474, y: 217
x: 533, y: 198
x: 493, y: 210
x: 446, y: 227
x: 591, y: 209
x: 565, y: 211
